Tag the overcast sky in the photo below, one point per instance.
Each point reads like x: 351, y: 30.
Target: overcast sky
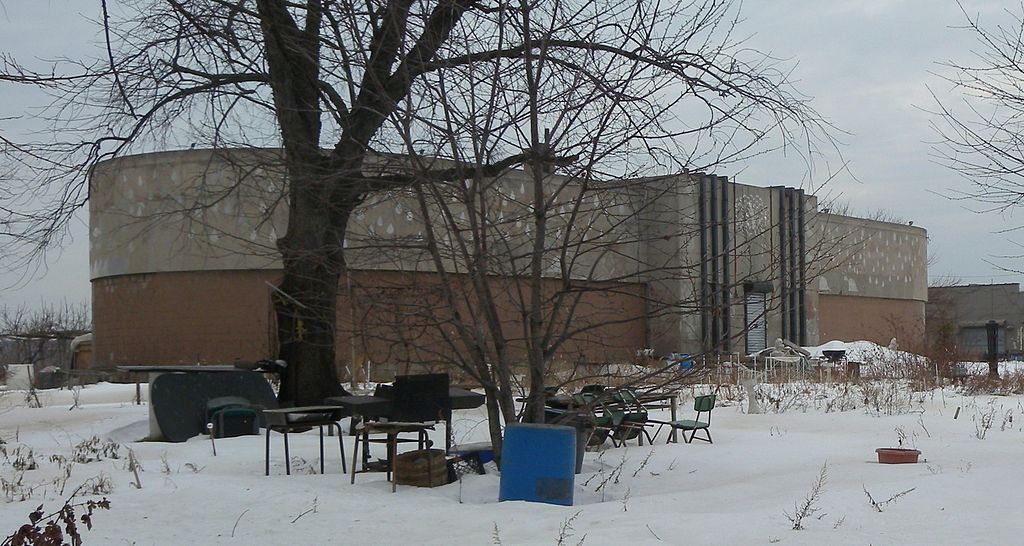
x: 866, y: 63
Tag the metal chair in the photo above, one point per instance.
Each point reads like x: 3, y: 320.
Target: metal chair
x: 702, y: 405
x: 604, y: 420
x: 300, y: 419
x: 634, y: 421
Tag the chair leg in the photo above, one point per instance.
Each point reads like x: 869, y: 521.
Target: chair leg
x: 355, y: 455
x: 341, y: 444
x: 322, y: 448
x: 287, y: 456
x: 652, y: 437
x: 366, y: 449
x: 267, y: 458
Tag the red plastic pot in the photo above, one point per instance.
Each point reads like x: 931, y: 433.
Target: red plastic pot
x: 895, y: 455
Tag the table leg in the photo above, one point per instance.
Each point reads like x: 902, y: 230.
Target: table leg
x: 366, y: 449
x: 287, y: 456
x: 268, y: 452
x: 392, y: 445
x: 447, y: 432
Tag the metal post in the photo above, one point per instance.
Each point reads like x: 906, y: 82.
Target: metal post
x: 992, y: 333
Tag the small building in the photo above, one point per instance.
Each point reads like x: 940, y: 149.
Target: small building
x: 957, y: 315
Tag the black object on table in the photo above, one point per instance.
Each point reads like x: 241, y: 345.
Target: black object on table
x: 231, y: 416
x: 417, y: 402
x: 375, y: 407
x: 381, y: 406
x: 298, y: 419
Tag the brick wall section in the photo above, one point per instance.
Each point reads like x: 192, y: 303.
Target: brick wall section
x: 853, y: 318
x: 391, y: 333
x: 180, y: 318
x: 219, y: 316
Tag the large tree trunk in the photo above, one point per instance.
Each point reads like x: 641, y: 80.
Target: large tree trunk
x: 306, y: 302
x: 311, y: 250
x: 306, y: 336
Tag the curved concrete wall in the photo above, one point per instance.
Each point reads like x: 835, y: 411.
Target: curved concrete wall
x: 194, y: 210
x: 874, y: 285
x: 209, y: 210
x: 872, y: 259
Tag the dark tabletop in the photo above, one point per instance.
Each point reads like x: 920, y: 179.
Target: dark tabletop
x: 302, y: 409
x: 365, y: 406
x: 303, y: 414
x: 465, y: 399
x: 187, y: 369
x: 379, y: 406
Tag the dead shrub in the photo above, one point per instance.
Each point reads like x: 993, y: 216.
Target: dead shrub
x: 60, y: 527
x: 94, y: 449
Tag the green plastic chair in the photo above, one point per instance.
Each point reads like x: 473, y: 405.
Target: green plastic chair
x: 701, y: 404
x: 634, y: 420
x: 605, y: 420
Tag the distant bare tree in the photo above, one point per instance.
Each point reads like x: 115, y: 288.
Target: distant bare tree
x: 37, y: 335
x: 66, y: 320
x: 982, y: 134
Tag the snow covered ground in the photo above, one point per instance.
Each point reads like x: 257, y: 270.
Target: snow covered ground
x: 968, y: 488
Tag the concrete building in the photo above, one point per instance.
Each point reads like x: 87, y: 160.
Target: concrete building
x: 957, y: 315
x: 183, y: 264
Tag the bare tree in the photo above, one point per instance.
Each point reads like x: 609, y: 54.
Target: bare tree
x: 607, y: 242
x: 982, y: 133
x: 646, y: 87
x: 41, y: 336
